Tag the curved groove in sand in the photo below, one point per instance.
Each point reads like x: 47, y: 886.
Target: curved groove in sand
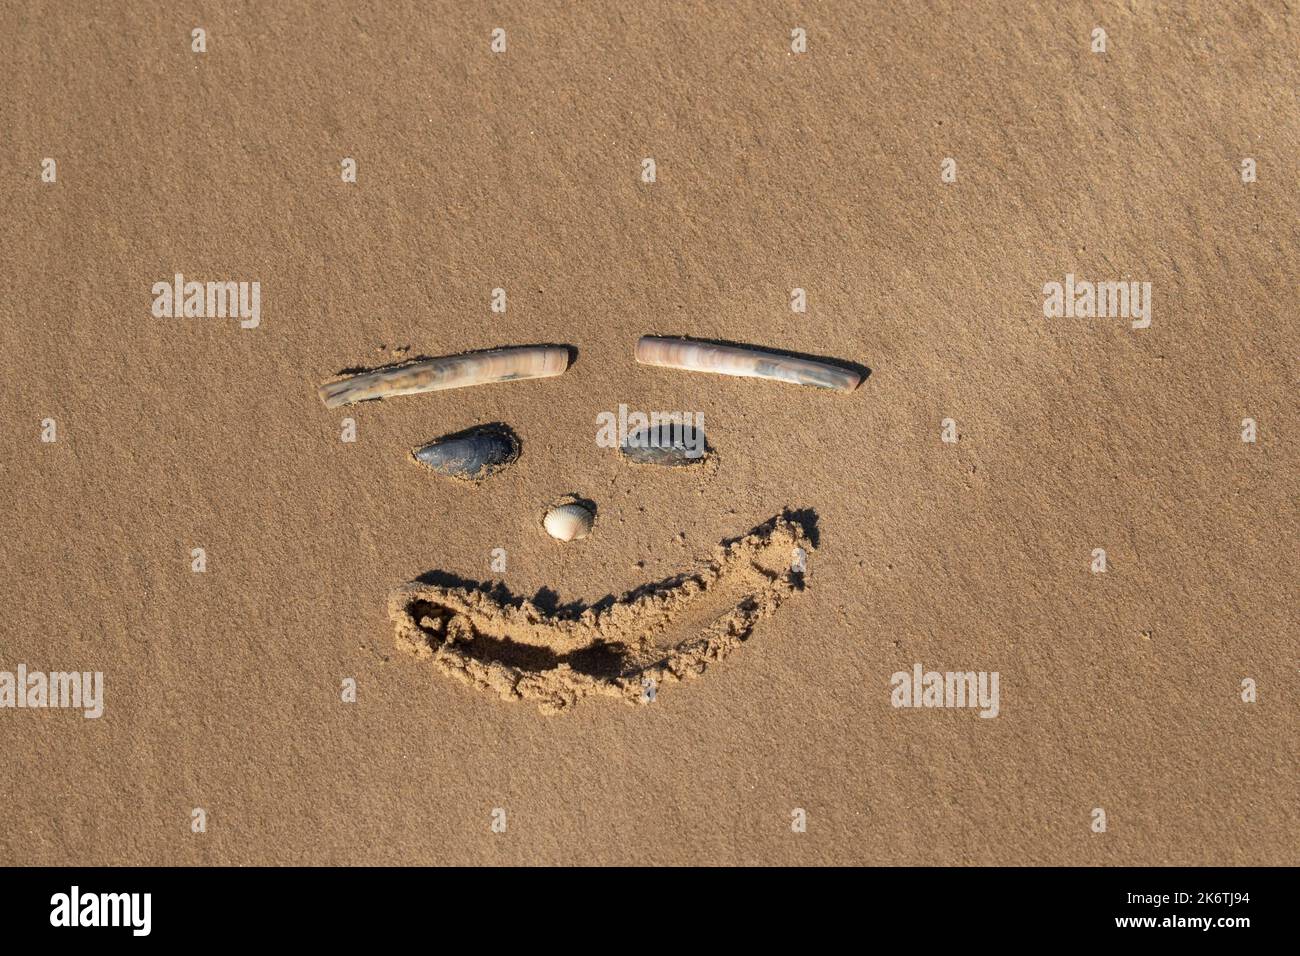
x: 671, y: 630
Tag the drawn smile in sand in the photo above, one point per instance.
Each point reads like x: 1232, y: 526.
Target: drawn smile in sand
x: 622, y: 647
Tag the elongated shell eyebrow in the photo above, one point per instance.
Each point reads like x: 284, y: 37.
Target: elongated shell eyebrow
x: 743, y: 361
x: 450, y: 371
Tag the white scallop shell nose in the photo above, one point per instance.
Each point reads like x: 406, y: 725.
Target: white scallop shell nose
x: 568, y: 522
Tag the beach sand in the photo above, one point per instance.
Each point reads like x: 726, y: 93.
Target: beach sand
x: 774, y: 170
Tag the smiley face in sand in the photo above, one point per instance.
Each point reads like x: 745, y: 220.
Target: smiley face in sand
x: 621, y: 647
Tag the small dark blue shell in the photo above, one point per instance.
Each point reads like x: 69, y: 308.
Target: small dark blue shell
x: 473, y: 454
x: 656, y: 446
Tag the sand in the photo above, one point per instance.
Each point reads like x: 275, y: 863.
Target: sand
x: 624, y: 648
x: 227, y: 690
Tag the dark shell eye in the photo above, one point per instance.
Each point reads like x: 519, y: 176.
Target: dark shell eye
x: 672, y: 447
x: 471, y: 455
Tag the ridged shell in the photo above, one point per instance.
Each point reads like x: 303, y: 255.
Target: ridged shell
x: 473, y: 454
x: 568, y: 522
